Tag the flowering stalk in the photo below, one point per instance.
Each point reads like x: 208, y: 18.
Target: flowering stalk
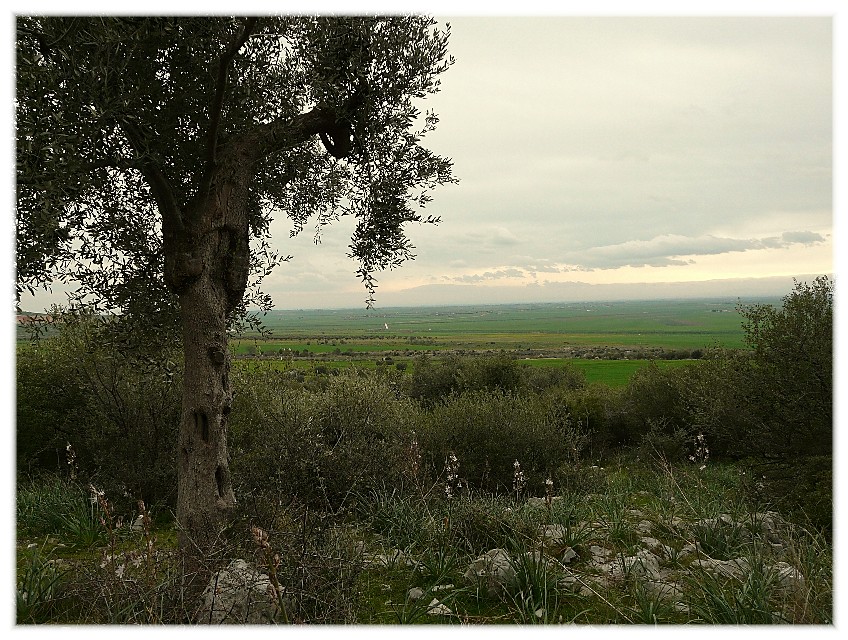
x: 518, y: 479
x: 147, y: 528
x: 107, y: 520
x: 549, y: 493
x: 452, y: 482
x: 272, y: 561
x: 71, y: 456
x: 701, y: 454
x: 413, y: 456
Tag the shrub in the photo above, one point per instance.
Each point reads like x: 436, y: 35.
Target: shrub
x: 663, y: 443
x: 596, y: 409
x: 488, y: 432
x: 716, y: 396
x: 433, y: 382
x: 774, y: 402
x: 51, y: 399
x: 791, y: 384
x: 565, y: 376
x: 119, y: 409
x: 491, y: 373
x: 320, y: 445
x: 653, y: 396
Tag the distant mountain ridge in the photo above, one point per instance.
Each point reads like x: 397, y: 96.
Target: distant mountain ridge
x: 432, y: 295
x: 437, y: 295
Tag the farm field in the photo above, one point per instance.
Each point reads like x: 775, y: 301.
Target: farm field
x: 668, y: 324
x: 638, y: 322
x: 615, y: 373
x: 607, y: 341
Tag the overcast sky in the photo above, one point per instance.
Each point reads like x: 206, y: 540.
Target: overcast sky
x: 610, y: 151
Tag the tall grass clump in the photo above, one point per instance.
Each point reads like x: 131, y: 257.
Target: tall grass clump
x: 44, y: 502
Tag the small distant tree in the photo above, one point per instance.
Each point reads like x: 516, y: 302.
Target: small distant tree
x: 153, y: 151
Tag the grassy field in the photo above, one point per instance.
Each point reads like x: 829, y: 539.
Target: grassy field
x: 670, y: 324
x: 615, y: 373
x: 546, y: 334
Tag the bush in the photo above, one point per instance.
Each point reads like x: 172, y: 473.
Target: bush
x: 488, y: 432
x: 598, y: 409
x: 321, y: 446
x: 773, y: 403
x: 51, y: 400
x: 663, y: 443
x: 565, y: 376
x: 653, y: 396
x: 119, y: 410
x: 791, y: 385
x: 717, y: 399
x: 433, y: 382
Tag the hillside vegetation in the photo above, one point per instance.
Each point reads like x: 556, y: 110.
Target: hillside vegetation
x: 455, y: 488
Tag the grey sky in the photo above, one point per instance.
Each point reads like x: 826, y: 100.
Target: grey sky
x: 601, y: 151
x: 613, y: 150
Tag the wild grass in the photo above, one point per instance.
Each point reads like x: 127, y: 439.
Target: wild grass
x: 639, y: 548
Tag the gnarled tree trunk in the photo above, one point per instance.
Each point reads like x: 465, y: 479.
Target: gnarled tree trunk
x: 207, y: 265
x: 205, y: 496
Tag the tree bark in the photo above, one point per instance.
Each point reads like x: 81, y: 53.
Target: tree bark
x: 207, y: 266
x: 205, y: 496
x: 207, y: 261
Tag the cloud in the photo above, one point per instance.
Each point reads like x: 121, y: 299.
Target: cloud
x: 489, y: 275
x: 668, y: 250
x: 801, y: 237
x: 673, y: 250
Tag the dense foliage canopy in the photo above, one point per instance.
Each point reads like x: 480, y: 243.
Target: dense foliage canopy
x: 124, y: 123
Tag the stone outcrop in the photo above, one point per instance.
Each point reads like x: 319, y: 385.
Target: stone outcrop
x: 594, y: 564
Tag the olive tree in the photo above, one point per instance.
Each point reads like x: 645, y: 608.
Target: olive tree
x: 152, y: 153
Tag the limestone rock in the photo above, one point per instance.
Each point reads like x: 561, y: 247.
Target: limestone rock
x: 789, y: 577
x: 644, y: 527
x: 493, y: 570
x: 552, y: 535
x: 436, y: 608
x: 642, y: 565
x: 736, y: 568
x: 239, y: 594
x: 666, y: 591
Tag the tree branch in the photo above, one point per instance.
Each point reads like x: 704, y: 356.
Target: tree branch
x: 159, y: 185
x: 217, y: 106
x: 332, y: 124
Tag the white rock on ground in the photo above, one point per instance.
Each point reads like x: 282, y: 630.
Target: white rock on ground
x: 239, y: 594
x: 789, y: 577
x: 493, y: 570
x: 436, y: 608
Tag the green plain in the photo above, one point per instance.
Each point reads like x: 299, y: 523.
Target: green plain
x: 540, y: 334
